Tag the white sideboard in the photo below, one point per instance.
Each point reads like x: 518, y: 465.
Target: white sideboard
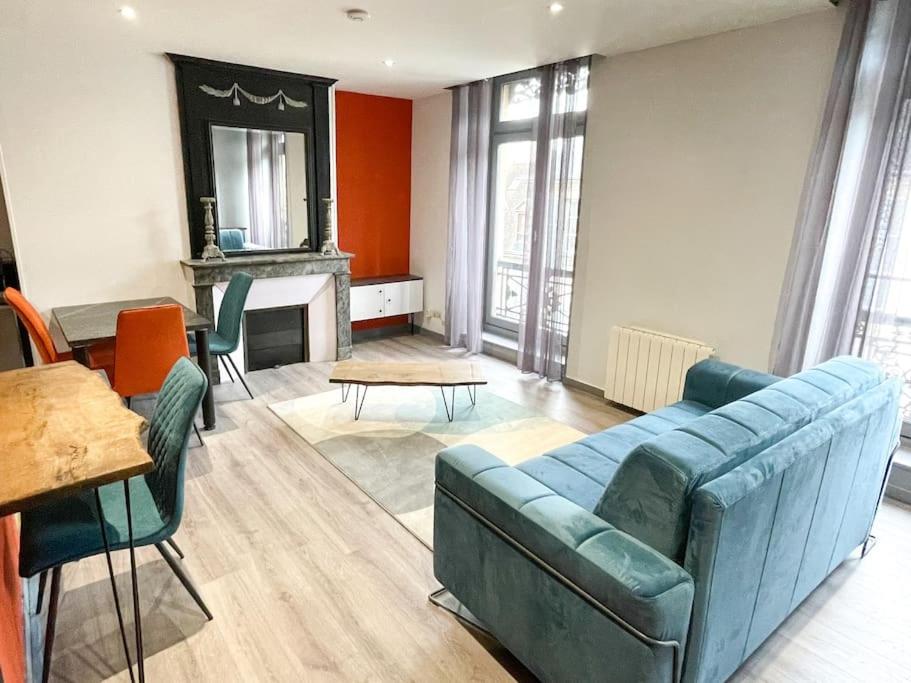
x: 383, y: 297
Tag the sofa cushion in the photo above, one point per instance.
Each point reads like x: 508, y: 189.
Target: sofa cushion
x: 649, y: 495
x: 580, y: 471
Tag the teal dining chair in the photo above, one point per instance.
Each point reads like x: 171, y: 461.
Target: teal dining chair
x: 64, y: 531
x: 226, y: 337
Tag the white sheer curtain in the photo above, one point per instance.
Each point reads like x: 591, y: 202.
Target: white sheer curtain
x: 550, y: 238
x: 851, y: 192
x: 884, y: 315
x: 468, y: 177
x: 269, y: 225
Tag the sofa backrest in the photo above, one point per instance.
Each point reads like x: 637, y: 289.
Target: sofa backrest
x: 715, y: 383
x: 650, y: 495
x: 768, y: 532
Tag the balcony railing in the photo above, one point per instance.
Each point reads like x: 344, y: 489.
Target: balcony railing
x: 887, y: 338
x: 511, y: 284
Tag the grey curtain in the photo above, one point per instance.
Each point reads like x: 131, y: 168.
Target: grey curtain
x: 550, y: 236
x: 266, y: 176
x: 468, y: 180
x: 820, y: 311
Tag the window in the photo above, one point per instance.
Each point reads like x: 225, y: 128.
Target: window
x: 886, y: 338
x: 515, y: 111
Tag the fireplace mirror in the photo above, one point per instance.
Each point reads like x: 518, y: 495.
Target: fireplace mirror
x: 258, y: 140
x: 260, y: 188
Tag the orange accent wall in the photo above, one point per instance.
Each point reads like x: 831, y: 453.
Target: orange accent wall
x: 12, y: 648
x: 373, y: 175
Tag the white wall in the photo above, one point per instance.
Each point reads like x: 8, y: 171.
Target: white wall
x: 695, y: 160
x: 694, y: 165
x: 91, y: 148
x: 430, y: 201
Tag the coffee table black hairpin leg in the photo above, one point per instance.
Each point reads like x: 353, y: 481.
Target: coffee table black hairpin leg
x: 358, y: 400
x: 473, y: 395
x: 450, y: 414
x: 345, y: 394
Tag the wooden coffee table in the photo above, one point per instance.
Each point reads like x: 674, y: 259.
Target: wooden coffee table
x: 452, y: 373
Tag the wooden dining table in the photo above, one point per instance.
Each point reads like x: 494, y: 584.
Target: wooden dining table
x: 63, y: 429
x: 82, y: 326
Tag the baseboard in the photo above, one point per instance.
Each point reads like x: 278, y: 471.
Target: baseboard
x: 582, y: 386
x: 436, y: 336
x: 899, y: 485
x: 381, y: 332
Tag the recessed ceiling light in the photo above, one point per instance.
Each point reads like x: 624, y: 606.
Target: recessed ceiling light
x: 357, y: 14
x: 127, y: 12
x: 555, y: 7
x: 389, y: 62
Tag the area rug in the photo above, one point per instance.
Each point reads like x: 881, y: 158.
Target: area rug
x: 389, y: 452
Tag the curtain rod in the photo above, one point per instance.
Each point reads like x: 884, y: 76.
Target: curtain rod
x: 518, y: 71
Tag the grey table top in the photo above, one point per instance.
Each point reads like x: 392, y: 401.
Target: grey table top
x: 92, y: 323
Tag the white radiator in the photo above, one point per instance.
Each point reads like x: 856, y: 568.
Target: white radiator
x: 646, y: 369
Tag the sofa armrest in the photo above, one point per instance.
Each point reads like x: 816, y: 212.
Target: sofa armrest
x: 627, y: 578
x: 715, y: 384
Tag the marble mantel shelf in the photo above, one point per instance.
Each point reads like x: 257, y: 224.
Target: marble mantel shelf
x: 204, y: 274
x: 266, y: 265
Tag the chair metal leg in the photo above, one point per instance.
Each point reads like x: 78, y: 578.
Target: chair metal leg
x: 221, y: 359
x: 185, y: 579
x: 198, y: 435
x: 239, y: 376
x: 51, y: 623
x: 42, y: 582
x: 175, y: 547
x: 137, y: 612
x: 107, y: 554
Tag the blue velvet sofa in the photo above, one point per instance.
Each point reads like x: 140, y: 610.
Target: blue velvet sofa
x: 670, y: 547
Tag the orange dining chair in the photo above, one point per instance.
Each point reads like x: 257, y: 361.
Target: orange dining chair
x: 101, y: 356
x: 148, y: 343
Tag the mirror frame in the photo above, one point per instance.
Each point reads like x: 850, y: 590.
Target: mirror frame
x: 199, y: 111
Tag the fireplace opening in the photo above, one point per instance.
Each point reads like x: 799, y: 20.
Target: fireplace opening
x: 275, y: 336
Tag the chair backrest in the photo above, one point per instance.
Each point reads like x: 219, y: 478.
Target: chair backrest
x: 768, y: 532
x: 232, y: 309
x: 169, y: 430
x: 34, y: 323
x: 651, y: 494
x: 148, y: 343
x: 231, y: 239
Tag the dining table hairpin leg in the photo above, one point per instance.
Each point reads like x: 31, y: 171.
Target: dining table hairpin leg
x: 107, y: 554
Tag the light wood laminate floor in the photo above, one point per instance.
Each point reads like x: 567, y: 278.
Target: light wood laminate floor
x: 310, y: 580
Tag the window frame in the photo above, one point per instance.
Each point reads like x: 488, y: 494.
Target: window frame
x: 504, y: 132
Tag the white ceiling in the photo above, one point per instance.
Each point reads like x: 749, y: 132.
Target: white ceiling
x: 435, y: 43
